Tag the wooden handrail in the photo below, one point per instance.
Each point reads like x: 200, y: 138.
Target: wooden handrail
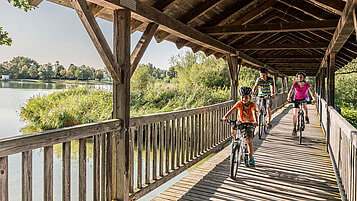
x: 32, y: 141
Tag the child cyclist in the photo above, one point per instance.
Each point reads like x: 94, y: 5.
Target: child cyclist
x: 246, y: 114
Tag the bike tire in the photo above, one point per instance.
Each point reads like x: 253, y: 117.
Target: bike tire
x: 300, y: 120
x: 234, y: 161
x: 260, y: 130
x: 246, y: 157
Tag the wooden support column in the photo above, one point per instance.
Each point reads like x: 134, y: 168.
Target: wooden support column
x: 331, y: 80
x: 330, y: 93
x: 121, y: 105
x: 234, y: 64
x: 282, y: 85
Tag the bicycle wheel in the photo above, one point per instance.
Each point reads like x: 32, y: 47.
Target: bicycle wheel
x: 246, y: 156
x: 260, y: 126
x: 301, y: 124
x: 234, y: 159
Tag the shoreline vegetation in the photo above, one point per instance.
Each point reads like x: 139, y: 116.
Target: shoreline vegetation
x: 193, y: 80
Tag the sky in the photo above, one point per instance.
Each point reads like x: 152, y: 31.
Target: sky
x: 52, y: 33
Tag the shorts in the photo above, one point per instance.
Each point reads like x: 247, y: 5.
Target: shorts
x: 268, y: 102
x: 297, y: 105
x: 249, y: 131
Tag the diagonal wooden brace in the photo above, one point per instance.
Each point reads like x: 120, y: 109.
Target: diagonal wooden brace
x: 98, y: 38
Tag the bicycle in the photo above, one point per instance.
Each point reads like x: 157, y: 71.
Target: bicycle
x: 239, y: 147
x: 301, y: 118
x: 262, y: 121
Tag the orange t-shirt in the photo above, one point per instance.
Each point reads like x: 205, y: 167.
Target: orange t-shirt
x: 245, y: 113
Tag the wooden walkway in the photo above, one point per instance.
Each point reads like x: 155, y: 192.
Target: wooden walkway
x: 284, y: 169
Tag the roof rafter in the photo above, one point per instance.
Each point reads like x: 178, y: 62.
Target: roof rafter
x: 271, y: 27
x: 283, y: 46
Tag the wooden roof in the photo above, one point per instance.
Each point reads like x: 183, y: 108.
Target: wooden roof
x: 285, y: 35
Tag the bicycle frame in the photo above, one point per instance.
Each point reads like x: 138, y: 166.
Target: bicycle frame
x: 262, y: 116
x: 301, y: 118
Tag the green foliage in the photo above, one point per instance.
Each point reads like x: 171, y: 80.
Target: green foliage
x: 346, y: 86
x: 4, y: 38
x: 67, y: 108
x: 350, y: 115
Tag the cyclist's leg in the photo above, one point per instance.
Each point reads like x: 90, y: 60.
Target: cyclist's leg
x: 250, y: 135
x: 234, y: 132
x: 296, y: 112
x: 268, y: 106
x: 304, y: 106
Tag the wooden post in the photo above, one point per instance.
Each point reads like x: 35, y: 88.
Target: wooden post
x: 234, y: 64
x: 282, y: 85
x: 121, y: 104
x: 4, y: 179
x: 330, y: 94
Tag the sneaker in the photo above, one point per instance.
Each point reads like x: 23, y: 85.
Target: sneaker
x: 294, y: 132
x: 269, y: 126
x: 251, y: 162
x: 307, y: 121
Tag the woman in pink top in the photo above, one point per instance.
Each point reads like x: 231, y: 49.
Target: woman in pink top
x: 301, y: 87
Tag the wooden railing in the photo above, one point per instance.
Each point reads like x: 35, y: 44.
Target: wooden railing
x: 161, y: 147
x: 25, y: 144
x: 342, y: 147
x: 169, y: 143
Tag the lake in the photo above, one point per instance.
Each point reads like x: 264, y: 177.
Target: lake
x: 13, y: 96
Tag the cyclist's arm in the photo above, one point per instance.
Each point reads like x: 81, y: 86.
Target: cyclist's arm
x: 272, y: 91
x: 312, y: 94
x: 290, y: 93
x: 229, y: 113
x: 255, y: 116
x: 255, y: 89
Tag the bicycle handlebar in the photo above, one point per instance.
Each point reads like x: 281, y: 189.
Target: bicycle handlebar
x: 239, y: 124
x: 301, y: 101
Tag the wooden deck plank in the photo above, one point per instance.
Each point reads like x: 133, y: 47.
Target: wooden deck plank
x: 284, y: 169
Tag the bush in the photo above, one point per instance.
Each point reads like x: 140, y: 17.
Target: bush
x: 350, y: 115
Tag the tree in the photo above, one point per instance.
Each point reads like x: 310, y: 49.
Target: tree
x: 69, y: 75
x: 99, y: 75
x: 22, y: 4
x: 58, y: 68
x: 33, y: 72
x: 141, y: 78
x: 24, y: 72
x: 46, y: 72
x: 63, y: 73
x: 14, y: 71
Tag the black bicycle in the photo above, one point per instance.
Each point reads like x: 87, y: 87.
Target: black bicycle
x: 239, y: 151
x: 262, y: 121
x: 301, y: 117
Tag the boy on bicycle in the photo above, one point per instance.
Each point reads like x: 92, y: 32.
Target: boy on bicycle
x: 246, y: 114
x: 266, y: 89
x: 301, y: 88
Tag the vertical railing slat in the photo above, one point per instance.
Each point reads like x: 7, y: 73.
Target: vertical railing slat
x: 173, y: 144
x: 147, y: 153
x: 192, y: 137
x: 27, y: 175
x: 167, y: 146
x: 96, y: 168
x: 187, y: 145
x: 140, y: 157
x: 66, y: 171
x: 131, y: 159
x: 4, y: 179
x: 200, y: 138
x: 154, y: 152
x: 109, y: 163
x: 183, y: 134
x: 82, y: 170
x: 161, y: 163
x: 48, y: 174
x: 178, y: 144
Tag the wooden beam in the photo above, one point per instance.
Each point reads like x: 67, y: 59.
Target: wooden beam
x: 294, y: 56
x: 282, y: 46
x: 308, y: 9
x: 141, y: 46
x: 355, y: 22
x: 343, y: 31
x: 163, y: 4
x: 191, y: 15
x: 121, y: 105
x: 271, y: 27
x: 146, y: 13
x: 97, y: 37
x: 331, y: 6
x: 95, y: 9
x: 35, y: 2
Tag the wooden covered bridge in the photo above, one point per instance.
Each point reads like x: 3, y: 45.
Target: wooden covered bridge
x: 285, y: 36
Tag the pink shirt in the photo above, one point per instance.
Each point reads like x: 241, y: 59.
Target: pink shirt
x: 301, y: 93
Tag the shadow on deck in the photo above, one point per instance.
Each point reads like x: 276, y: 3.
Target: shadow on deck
x: 284, y: 169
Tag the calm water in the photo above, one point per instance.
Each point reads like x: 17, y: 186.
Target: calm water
x: 13, y: 96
